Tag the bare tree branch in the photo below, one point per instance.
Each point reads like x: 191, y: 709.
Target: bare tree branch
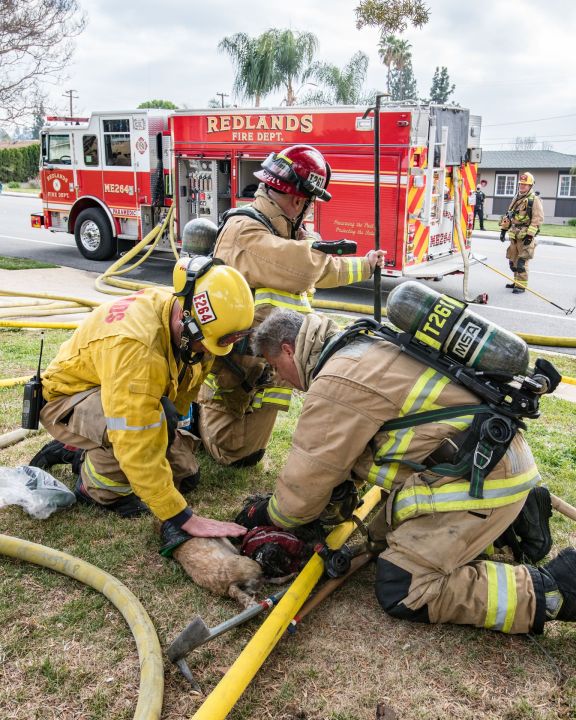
x: 35, y: 45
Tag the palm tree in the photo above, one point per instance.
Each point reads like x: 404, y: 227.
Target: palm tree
x: 343, y: 86
x: 395, y: 54
x: 254, y: 64
x: 293, y: 53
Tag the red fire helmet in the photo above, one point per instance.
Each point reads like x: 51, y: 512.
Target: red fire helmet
x: 298, y: 170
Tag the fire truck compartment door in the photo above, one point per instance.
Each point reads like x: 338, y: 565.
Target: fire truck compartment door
x: 350, y: 213
x: 441, y: 234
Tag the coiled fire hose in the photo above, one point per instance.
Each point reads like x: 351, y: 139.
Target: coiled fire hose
x: 151, y: 689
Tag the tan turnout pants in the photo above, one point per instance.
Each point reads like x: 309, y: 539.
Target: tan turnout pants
x: 229, y: 438
x: 431, y: 572
x: 78, y: 420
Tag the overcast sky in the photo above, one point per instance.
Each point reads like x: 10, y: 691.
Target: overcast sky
x: 513, y: 61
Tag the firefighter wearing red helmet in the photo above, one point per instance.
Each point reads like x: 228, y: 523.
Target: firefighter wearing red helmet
x: 522, y: 222
x: 272, y: 248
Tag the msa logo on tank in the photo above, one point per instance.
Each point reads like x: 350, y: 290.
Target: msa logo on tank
x: 203, y: 308
x: 469, y: 339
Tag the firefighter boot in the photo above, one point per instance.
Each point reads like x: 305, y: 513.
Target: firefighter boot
x: 56, y: 453
x: 129, y: 506
x: 562, y: 571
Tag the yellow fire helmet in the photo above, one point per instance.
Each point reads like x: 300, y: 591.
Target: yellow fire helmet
x: 217, y: 302
x: 526, y: 178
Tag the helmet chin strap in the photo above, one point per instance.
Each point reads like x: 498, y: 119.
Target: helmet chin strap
x: 296, y: 224
x: 190, y: 334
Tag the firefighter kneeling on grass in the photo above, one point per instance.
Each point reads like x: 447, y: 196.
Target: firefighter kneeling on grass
x: 268, y: 243
x: 433, y: 531
x: 116, y: 389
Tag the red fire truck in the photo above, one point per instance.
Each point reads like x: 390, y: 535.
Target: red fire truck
x: 110, y: 178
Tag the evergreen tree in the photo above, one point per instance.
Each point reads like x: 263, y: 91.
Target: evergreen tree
x: 403, y: 83
x: 441, y: 88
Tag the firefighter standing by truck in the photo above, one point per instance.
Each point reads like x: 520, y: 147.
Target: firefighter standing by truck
x: 432, y: 528
x: 522, y: 223
x: 115, y: 391
x: 273, y: 251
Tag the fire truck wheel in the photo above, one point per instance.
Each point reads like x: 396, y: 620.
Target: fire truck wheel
x: 94, y: 236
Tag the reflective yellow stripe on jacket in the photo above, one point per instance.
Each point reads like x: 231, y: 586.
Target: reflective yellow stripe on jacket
x: 424, y: 500
x: 278, y: 396
x: 298, y: 302
x: 502, y: 598
x: 355, y: 265
x: 421, y: 398
x: 101, y: 481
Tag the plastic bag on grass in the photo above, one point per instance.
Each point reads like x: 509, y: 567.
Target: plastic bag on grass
x: 36, y: 491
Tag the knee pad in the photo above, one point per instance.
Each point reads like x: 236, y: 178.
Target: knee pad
x: 392, y: 585
x: 521, y: 265
x: 512, y: 266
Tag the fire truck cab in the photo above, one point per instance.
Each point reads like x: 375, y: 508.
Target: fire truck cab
x: 102, y: 178
x: 112, y: 177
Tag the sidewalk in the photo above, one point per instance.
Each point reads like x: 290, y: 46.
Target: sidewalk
x: 61, y: 281
x: 540, y: 239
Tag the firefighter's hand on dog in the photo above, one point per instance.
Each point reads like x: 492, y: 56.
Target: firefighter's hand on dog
x: 198, y: 526
x: 376, y: 258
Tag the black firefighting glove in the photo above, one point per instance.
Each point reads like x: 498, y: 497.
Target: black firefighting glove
x: 502, y: 235
x: 172, y: 536
x: 527, y: 240
x: 343, y: 501
x: 254, y: 512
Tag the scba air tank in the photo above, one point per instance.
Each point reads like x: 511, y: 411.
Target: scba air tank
x: 446, y: 324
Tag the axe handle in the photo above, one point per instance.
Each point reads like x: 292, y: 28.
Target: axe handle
x: 328, y: 588
x: 563, y: 507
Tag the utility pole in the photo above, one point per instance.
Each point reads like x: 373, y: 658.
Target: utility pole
x: 222, y: 96
x: 71, y: 96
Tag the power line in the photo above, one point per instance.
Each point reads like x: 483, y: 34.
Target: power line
x: 522, y: 122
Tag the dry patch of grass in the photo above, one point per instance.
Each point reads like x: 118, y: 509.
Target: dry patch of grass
x: 65, y: 651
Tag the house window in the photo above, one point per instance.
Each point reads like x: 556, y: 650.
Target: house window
x: 505, y: 185
x: 567, y: 186
x: 117, y: 142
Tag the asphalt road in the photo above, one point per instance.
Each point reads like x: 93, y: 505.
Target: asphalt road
x: 552, y: 274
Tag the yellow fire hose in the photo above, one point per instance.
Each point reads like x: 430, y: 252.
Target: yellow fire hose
x: 151, y: 689
x: 125, y: 287
x: 225, y: 695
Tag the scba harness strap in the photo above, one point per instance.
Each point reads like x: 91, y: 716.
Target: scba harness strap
x: 477, y: 450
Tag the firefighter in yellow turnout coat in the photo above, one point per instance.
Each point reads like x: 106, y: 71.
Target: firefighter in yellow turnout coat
x: 274, y: 254
x: 434, y: 529
x: 116, y: 388
x: 522, y: 222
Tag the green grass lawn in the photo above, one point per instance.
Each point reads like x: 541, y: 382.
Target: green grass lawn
x: 10, y: 263
x: 25, y: 191
x: 567, y: 231
x: 66, y: 652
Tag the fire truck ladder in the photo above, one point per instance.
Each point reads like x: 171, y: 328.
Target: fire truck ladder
x: 434, y: 201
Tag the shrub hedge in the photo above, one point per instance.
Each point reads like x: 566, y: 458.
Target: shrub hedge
x: 19, y: 164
